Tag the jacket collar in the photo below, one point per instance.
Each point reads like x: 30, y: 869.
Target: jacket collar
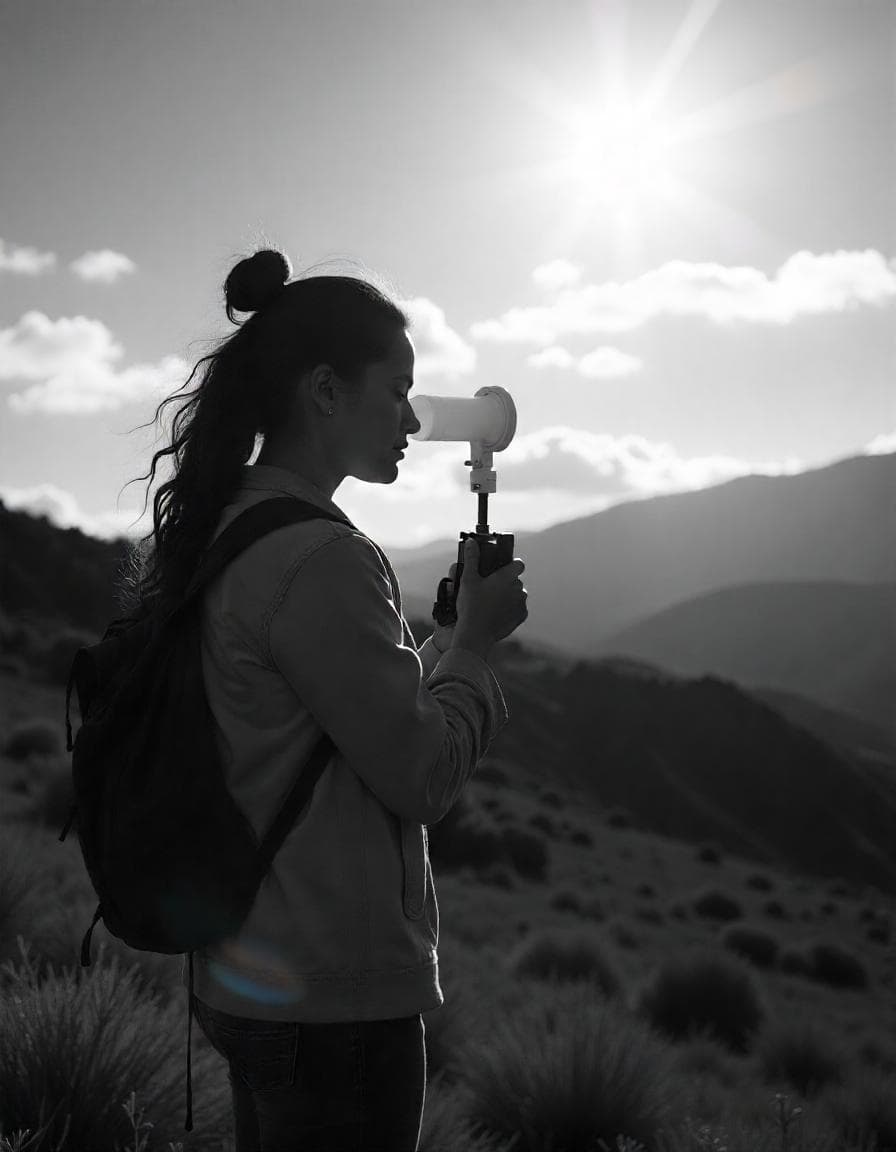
x: 267, y: 478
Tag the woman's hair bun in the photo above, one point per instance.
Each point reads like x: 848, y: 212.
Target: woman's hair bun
x: 255, y: 281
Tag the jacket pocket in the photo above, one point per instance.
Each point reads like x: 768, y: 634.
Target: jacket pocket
x: 414, y: 852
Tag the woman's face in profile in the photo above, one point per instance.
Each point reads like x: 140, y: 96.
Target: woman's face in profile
x: 381, y: 421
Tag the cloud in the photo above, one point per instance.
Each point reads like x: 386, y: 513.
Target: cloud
x: 440, y: 351
x: 73, y: 363
x: 558, y: 274
x: 25, y: 261
x: 102, y: 267
x: 604, y: 363
x: 881, y: 445
x: 62, y: 509
x: 576, y: 462
x: 805, y: 284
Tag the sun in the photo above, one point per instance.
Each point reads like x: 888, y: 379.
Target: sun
x: 618, y: 158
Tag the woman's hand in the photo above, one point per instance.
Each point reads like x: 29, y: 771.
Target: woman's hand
x: 443, y: 633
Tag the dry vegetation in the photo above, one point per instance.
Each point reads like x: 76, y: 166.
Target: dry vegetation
x: 606, y: 990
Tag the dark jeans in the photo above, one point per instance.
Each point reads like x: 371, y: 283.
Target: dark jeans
x: 297, y: 1087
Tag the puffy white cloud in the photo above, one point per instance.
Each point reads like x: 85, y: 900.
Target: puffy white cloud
x: 62, y: 509
x: 103, y: 266
x: 806, y: 284
x: 604, y: 363
x: 607, y: 362
x: 573, y: 461
x: 73, y: 361
x: 439, y: 350
x: 557, y: 274
x: 25, y: 261
x: 881, y: 445
x: 553, y: 357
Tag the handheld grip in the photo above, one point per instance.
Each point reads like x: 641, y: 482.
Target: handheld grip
x: 495, y: 551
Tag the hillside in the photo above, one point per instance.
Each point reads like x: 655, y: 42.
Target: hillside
x: 834, y: 643
x: 698, y: 760
x: 592, y: 577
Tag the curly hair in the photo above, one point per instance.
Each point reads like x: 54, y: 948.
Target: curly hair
x: 246, y: 389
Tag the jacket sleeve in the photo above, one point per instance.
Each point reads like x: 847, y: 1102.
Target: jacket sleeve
x: 336, y: 635
x: 429, y: 656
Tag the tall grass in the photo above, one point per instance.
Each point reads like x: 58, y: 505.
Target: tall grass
x: 75, y: 1048
x: 565, y: 1070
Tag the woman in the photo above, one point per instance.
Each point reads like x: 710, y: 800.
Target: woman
x: 316, y: 1002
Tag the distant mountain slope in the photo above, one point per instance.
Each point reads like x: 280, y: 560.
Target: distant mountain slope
x: 591, y: 577
x: 703, y: 760
x: 834, y: 643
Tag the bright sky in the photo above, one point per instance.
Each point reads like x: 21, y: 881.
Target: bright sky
x: 665, y: 226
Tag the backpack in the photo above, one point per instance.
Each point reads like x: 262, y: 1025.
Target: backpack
x: 173, y: 860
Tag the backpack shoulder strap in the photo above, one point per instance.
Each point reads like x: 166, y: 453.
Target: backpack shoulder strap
x: 257, y: 521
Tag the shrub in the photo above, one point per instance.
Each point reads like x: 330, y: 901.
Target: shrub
x: 543, y: 823
x: 759, y: 882
x: 34, y: 738
x: 795, y: 962
x: 709, y: 854
x: 75, y: 1048
x: 465, y: 836
x: 865, y: 1111
x: 497, y: 876
x: 704, y: 993
x: 565, y: 956
x: 528, y: 853
x: 802, y: 1053
x: 619, y: 818
x: 569, y: 1074
x: 566, y: 901
x: 551, y: 798
x: 754, y: 944
x: 716, y: 905
x: 776, y: 910
x: 55, y: 797
x: 831, y: 964
x: 878, y: 933
x: 646, y: 890
x: 490, y: 773
x: 582, y: 837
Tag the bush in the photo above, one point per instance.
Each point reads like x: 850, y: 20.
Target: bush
x: 528, y: 853
x: 619, y: 818
x: 75, y: 1048
x: 567, y: 901
x: 565, y: 957
x: 775, y: 910
x: 568, y: 1074
x: 802, y: 1053
x: 865, y: 1110
x: 703, y: 993
x: 465, y: 836
x: 543, y: 823
x: 709, y: 854
x: 795, y: 962
x: 581, y: 837
x: 759, y: 882
x: 55, y: 797
x: 716, y: 905
x: 34, y: 738
x: 754, y: 944
x: 551, y: 798
x: 831, y: 964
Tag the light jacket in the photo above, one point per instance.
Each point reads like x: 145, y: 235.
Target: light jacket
x: 304, y: 633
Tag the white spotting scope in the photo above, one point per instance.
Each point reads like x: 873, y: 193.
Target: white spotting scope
x: 488, y: 422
